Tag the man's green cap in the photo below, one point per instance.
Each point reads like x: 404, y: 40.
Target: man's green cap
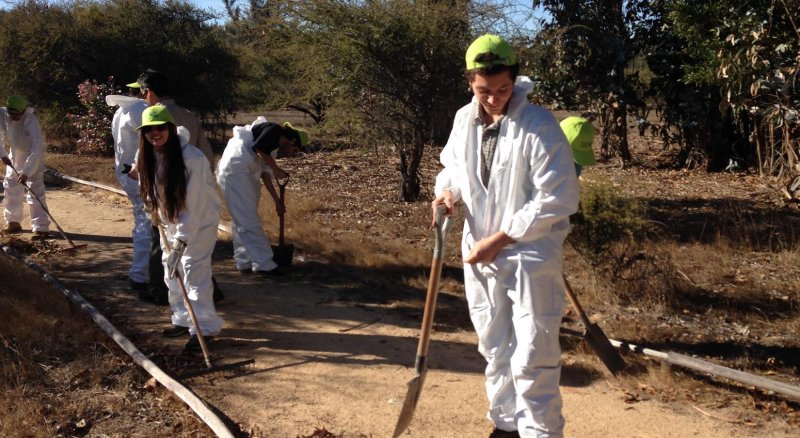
x: 301, y: 134
x: 134, y: 85
x: 156, y: 115
x: 580, y: 134
x: 490, y: 44
x: 16, y: 104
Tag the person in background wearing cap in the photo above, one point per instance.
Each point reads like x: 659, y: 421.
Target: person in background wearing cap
x: 177, y: 185
x: 155, y: 88
x: 126, y: 142
x: 509, y: 163
x: 248, y: 157
x: 580, y: 133
x: 27, y: 157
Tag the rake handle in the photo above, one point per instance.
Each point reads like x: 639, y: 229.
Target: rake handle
x: 46, y: 210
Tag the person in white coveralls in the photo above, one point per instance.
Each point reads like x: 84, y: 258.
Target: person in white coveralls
x: 510, y: 164
x: 19, y: 124
x: 178, y: 187
x: 249, y: 160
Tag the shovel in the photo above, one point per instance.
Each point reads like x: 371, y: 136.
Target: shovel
x: 595, y: 337
x: 415, y: 385
x: 282, y: 254
x: 72, y: 245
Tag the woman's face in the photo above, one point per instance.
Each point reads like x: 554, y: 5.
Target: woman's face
x: 157, y: 135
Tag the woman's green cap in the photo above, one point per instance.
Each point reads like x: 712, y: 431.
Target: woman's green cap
x: 156, y: 115
x: 302, y: 135
x: 490, y: 44
x: 580, y: 133
x: 16, y: 104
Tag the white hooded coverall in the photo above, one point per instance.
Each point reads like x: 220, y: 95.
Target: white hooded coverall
x: 27, y: 155
x: 197, y: 227
x: 239, y: 177
x: 126, y: 143
x: 516, y: 301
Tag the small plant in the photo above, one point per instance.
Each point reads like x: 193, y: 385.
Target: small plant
x: 93, y: 123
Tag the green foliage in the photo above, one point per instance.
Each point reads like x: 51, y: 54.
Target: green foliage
x: 604, y: 221
x: 392, y: 70
x: 48, y: 48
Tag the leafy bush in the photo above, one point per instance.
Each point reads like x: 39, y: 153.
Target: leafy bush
x: 93, y: 124
x: 604, y: 220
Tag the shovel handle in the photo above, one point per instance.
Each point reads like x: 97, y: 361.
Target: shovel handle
x: 442, y: 227
x: 282, y: 182
x: 573, y: 299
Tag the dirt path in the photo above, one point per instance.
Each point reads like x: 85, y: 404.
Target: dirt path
x: 325, y: 361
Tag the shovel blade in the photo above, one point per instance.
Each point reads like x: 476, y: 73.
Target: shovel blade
x: 602, y: 347
x: 283, y: 254
x: 409, y: 404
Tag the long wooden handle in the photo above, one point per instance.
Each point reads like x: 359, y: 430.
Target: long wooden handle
x: 573, y: 299
x: 442, y: 227
x: 187, y: 302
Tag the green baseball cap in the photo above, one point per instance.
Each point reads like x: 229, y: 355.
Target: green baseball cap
x: 156, y: 115
x: 16, y: 104
x: 302, y: 135
x: 580, y: 134
x: 493, y: 44
x: 134, y: 85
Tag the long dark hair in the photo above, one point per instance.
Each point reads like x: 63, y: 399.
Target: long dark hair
x: 175, y: 184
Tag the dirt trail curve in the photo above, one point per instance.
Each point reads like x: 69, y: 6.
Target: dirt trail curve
x: 331, y: 363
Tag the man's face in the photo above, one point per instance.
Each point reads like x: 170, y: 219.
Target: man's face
x: 149, y: 96
x: 15, y: 116
x: 493, y: 92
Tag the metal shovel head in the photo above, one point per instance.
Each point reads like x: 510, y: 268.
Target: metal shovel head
x: 282, y: 254
x: 410, y: 403
x: 602, y: 347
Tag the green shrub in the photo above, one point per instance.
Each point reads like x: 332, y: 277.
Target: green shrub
x: 605, y: 224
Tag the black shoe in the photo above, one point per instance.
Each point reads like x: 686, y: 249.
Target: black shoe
x: 497, y: 433
x: 247, y: 271
x: 156, y: 295
x: 193, y: 345
x: 277, y: 272
x: 138, y: 287
x: 175, y: 332
x: 218, y: 295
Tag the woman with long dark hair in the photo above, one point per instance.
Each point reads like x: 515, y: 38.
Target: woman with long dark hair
x: 177, y: 185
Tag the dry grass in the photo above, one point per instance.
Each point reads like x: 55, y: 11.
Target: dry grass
x: 60, y: 377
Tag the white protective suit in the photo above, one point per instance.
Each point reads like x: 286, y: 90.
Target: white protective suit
x: 239, y: 177
x: 126, y: 143
x: 197, y: 226
x: 27, y: 155
x: 516, y: 301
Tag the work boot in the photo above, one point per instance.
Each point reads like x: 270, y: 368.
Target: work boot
x: 12, y: 228
x: 40, y: 235
x: 156, y: 293
x: 193, y: 345
x: 497, y: 433
x: 218, y: 295
x: 175, y: 332
x: 138, y: 287
x: 277, y: 272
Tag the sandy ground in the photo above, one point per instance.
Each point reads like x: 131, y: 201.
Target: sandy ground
x: 327, y: 362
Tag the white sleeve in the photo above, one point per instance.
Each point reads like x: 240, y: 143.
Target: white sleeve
x: 35, y: 158
x: 552, y: 173
x: 448, y: 178
x: 188, y: 219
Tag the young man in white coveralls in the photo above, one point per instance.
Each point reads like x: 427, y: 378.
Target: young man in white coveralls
x: 126, y: 142
x: 18, y: 122
x: 510, y: 164
x: 248, y: 160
